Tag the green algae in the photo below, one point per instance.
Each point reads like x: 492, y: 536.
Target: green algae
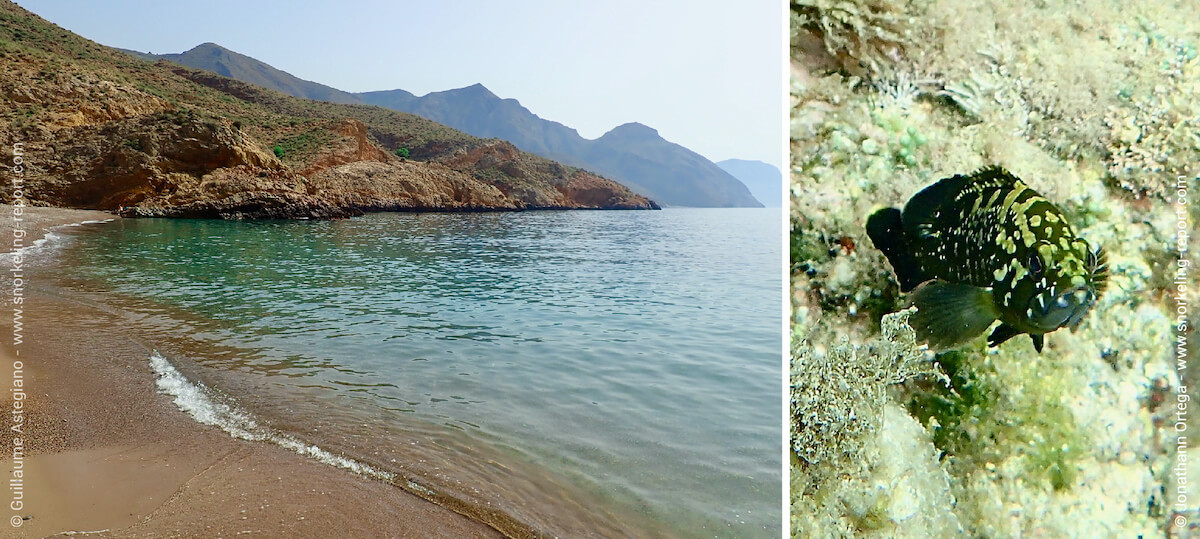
x: 946, y: 409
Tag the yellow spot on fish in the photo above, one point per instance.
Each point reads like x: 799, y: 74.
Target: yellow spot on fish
x: 1035, y: 220
x: 1028, y: 237
x: 1020, y: 272
x: 1046, y: 251
x: 1051, y: 218
x: 992, y: 199
x: 1012, y: 196
x: 1000, y: 273
x: 1022, y: 209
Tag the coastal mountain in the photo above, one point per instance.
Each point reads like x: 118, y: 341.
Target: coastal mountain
x: 101, y: 129
x: 764, y: 180
x: 632, y: 154
x: 637, y: 152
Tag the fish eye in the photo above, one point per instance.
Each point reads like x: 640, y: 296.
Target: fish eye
x: 1035, y: 264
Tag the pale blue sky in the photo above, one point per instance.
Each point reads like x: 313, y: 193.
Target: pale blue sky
x: 707, y: 74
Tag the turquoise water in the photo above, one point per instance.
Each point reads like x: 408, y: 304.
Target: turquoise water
x: 574, y: 372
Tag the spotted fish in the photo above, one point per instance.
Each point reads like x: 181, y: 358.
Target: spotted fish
x: 984, y: 247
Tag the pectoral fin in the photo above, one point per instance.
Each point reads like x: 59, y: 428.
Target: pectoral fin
x: 950, y: 314
x: 1005, y: 332
x: 1002, y: 333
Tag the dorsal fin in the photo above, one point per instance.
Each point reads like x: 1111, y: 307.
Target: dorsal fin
x: 996, y: 173
x: 921, y: 210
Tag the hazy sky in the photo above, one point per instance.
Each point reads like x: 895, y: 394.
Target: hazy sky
x: 707, y: 74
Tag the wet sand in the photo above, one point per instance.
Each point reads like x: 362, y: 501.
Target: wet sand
x: 36, y: 221
x: 105, y: 452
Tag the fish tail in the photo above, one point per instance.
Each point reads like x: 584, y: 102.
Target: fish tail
x: 886, y: 231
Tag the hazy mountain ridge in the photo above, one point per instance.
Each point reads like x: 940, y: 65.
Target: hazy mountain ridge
x: 670, y: 174
x: 764, y: 180
x: 227, y: 63
x: 633, y: 153
x: 475, y: 109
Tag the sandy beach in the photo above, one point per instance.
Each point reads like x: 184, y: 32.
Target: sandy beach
x: 103, y: 452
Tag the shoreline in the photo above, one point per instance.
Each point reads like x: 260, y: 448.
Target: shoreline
x: 37, y: 221
x: 104, y: 452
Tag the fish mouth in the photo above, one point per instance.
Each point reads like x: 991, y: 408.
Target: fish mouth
x: 1050, y: 312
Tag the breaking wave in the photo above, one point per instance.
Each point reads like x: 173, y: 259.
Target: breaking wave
x: 207, y: 407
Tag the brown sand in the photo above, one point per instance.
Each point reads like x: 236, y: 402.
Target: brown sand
x: 105, y: 452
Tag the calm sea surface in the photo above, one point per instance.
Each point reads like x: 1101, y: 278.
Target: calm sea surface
x: 576, y: 373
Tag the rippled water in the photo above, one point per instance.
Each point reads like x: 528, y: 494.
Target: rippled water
x: 573, y: 372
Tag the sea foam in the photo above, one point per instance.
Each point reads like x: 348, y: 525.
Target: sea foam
x: 49, y: 242
x: 205, y: 407
x: 51, y: 239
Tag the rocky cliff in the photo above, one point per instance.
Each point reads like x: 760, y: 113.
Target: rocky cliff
x: 100, y: 129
